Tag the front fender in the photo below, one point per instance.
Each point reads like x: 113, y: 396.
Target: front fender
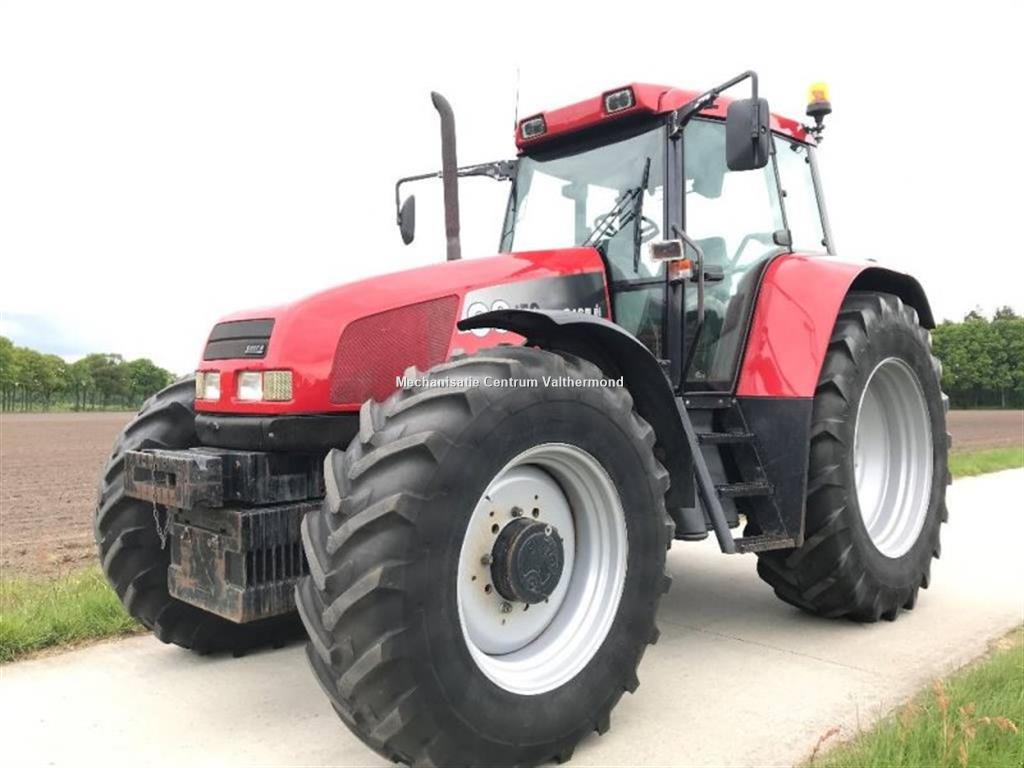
x: 796, y: 309
x: 617, y: 353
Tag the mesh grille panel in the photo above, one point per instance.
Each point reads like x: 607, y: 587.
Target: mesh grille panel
x: 375, y: 349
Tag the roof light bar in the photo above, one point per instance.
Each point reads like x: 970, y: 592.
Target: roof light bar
x: 618, y: 101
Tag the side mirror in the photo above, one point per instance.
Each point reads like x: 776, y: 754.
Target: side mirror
x: 407, y: 219
x: 747, y: 136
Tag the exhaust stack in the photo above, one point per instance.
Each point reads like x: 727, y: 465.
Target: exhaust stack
x: 449, y: 175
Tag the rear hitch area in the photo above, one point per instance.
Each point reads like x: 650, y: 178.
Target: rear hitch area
x: 232, y: 520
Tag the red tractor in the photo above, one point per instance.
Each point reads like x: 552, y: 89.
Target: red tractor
x: 465, y: 477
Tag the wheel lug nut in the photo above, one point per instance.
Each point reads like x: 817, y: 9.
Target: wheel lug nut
x: 506, y: 606
x: 486, y: 559
x: 517, y: 512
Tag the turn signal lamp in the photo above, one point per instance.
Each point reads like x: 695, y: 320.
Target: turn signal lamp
x: 680, y: 270
x: 277, y: 386
x: 207, y: 385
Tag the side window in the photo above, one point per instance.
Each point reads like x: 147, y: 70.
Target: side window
x: 734, y: 213
x: 801, y: 204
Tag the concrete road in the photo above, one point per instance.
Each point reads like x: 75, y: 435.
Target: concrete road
x: 738, y: 677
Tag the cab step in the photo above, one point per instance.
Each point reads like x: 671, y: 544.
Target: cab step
x: 744, y: 490
x: 725, y: 438
x: 764, y: 543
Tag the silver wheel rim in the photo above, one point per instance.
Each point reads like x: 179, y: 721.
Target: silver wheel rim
x: 531, y: 649
x: 892, y: 457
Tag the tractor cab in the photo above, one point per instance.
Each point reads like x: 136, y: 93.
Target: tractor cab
x: 645, y: 164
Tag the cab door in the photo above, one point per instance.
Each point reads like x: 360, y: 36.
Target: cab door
x: 737, y: 218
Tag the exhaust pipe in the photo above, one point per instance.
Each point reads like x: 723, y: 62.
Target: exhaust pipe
x: 449, y: 175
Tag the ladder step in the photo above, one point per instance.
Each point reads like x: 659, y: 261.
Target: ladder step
x: 744, y: 490
x: 725, y: 438
x: 764, y: 543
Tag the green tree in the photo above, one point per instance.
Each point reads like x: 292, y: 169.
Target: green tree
x: 79, y: 383
x: 9, y: 372
x: 108, y: 378
x: 983, y: 361
x: 1008, y: 339
x: 29, y: 379
x: 144, y: 378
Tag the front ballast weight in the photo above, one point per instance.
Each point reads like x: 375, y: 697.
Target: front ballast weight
x: 232, y: 521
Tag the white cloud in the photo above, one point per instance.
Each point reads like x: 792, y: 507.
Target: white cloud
x: 163, y: 164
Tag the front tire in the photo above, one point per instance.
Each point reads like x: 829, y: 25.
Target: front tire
x: 407, y: 615
x: 135, y: 560
x: 877, y: 473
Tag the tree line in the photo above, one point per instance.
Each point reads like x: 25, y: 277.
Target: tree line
x: 982, y: 364
x: 31, y: 380
x: 982, y: 359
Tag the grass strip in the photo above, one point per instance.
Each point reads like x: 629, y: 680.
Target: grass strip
x: 971, y: 718
x: 69, y: 609
x: 987, y: 460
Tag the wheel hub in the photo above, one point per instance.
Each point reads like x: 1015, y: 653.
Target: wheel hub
x: 527, y: 561
x: 542, y: 568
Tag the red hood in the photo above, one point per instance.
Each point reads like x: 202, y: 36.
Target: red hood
x: 306, y: 332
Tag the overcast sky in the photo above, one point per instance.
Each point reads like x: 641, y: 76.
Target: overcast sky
x: 162, y: 164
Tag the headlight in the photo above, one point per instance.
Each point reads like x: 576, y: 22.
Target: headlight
x: 266, y: 386
x: 207, y: 385
x: 250, y: 385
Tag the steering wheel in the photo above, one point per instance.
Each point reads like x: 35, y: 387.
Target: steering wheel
x: 649, y: 228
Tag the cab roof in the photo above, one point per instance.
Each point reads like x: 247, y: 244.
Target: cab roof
x: 648, y: 99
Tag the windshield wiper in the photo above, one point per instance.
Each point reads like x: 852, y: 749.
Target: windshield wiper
x: 638, y: 212
x: 631, y: 197
x: 511, y: 213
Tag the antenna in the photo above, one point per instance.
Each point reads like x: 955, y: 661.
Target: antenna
x: 516, y: 123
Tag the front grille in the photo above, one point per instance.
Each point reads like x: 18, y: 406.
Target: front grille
x: 375, y: 349
x: 239, y: 339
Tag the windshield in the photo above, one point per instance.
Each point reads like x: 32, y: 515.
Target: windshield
x: 609, y: 197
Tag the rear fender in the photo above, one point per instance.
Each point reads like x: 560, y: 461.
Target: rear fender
x: 617, y: 353
x: 796, y: 310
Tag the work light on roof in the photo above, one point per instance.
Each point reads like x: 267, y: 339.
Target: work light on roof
x: 532, y: 127
x: 617, y: 101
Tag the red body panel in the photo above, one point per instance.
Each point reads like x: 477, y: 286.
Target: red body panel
x: 794, y: 315
x: 306, y: 332
x: 649, y: 99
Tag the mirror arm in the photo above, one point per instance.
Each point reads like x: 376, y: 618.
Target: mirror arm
x: 499, y: 170
x: 707, y: 99
x: 398, y: 190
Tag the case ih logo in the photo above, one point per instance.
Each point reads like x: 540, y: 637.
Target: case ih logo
x: 575, y: 293
x: 254, y: 350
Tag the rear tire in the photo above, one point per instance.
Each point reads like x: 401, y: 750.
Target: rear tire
x: 130, y: 551
x: 390, y: 636
x: 877, y: 473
